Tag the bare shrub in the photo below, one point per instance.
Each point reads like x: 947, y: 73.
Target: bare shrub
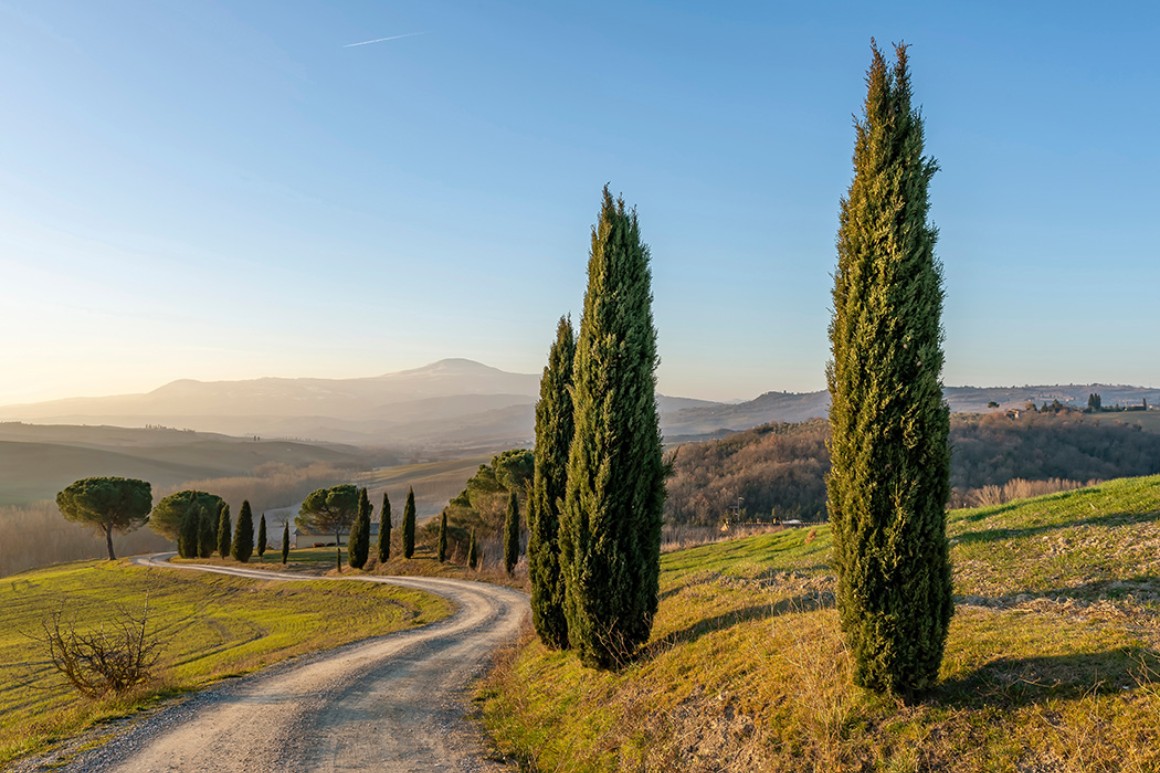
x: 116, y: 657
x: 1019, y: 488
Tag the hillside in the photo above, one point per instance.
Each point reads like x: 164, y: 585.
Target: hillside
x: 1053, y: 660
x: 458, y: 404
x: 36, y: 461
x: 780, y: 468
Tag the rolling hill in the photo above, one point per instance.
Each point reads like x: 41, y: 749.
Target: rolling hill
x: 1052, y: 663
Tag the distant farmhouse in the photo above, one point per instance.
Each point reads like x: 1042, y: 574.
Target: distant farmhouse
x: 308, y: 538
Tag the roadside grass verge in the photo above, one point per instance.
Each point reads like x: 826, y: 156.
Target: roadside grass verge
x: 1052, y: 663
x: 213, y: 627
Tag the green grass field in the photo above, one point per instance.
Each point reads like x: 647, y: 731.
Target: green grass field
x: 213, y: 627
x: 1052, y: 664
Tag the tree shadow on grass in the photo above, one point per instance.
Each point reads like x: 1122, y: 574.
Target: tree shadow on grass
x: 803, y: 603
x: 1112, y: 519
x: 1008, y: 683
x: 1141, y: 586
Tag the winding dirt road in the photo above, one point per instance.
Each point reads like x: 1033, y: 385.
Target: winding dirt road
x: 396, y: 703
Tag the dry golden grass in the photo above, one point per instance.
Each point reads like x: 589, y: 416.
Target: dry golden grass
x: 1052, y: 663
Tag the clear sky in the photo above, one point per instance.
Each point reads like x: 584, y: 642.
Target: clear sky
x: 220, y: 190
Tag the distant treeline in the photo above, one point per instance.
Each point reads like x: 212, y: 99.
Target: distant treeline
x: 779, y: 469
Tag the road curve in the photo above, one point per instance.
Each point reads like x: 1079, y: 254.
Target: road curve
x: 395, y: 703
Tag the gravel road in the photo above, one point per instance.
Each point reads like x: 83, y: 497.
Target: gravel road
x: 396, y: 703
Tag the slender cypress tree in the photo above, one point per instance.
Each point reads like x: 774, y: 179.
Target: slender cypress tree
x: 261, y: 548
x: 511, y: 535
x: 187, y: 544
x: 443, y: 537
x: 285, y: 542
x: 243, y: 546
x: 610, y: 528
x: 360, y: 532
x: 554, y: 429
x: 472, y: 551
x: 409, y: 524
x: 385, y: 530
x: 889, y: 480
x: 206, y: 536
x: 224, y: 530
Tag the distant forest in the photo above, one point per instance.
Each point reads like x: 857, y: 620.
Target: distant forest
x: 778, y: 470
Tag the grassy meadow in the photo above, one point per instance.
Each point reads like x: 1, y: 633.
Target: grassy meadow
x: 1052, y: 663
x: 212, y: 626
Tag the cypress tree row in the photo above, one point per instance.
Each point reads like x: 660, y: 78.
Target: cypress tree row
x: 443, y: 537
x: 206, y: 536
x: 472, y: 551
x: 554, y: 430
x: 224, y: 531
x: 511, y: 535
x: 409, y: 524
x: 889, y: 480
x: 285, y: 541
x: 385, y: 531
x: 262, y: 537
x: 360, y: 533
x: 610, y: 527
x: 243, y: 546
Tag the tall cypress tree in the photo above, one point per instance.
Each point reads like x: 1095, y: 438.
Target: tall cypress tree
x: 243, y: 546
x: 610, y: 528
x: 890, y: 460
x: 443, y: 536
x: 261, y: 548
x: 385, y: 531
x: 409, y: 524
x: 554, y: 430
x: 360, y: 532
x: 472, y: 551
x: 511, y: 535
x: 285, y: 542
x: 187, y: 543
x: 224, y: 530
x: 206, y: 536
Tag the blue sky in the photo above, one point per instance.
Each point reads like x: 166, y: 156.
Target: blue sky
x: 226, y: 190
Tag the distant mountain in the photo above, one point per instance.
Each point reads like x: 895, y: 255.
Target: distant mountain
x: 800, y: 406
x: 457, y: 403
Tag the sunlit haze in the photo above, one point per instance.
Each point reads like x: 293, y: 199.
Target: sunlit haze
x: 218, y: 190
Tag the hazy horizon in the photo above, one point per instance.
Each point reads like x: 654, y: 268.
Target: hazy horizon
x: 224, y: 192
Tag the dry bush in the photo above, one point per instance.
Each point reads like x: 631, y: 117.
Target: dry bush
x: 115, y: 658
x: 38, y: 535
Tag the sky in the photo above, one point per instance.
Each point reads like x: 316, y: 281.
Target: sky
x: 229, y: 190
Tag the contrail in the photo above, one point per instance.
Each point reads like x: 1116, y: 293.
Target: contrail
x: 383, y: 40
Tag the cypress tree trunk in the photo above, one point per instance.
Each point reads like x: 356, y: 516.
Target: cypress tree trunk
x: 385, y: 531
x: 243, y: 546
x: 511, y: 535
x: 285, y: 542
x: 360, y: 533
x: 262, y: 537
x: 224, y: 530
x: 610, y: 527
x: 554, y: 429
x: 472, y: 552
x: 409, y: 524
x: 443, y: 537
x: 889, y: 481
